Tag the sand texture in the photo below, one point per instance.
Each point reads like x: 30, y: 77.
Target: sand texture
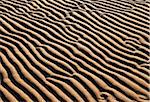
x: 74, y: 51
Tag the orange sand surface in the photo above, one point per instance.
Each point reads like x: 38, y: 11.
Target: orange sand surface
x: 74, y: 51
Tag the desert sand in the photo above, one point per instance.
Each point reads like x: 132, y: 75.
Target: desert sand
x: 74, y: 51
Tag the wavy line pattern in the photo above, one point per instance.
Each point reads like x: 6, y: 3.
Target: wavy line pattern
x: 74, y: 50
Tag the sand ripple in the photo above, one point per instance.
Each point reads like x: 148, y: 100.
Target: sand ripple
x: 74, y: 50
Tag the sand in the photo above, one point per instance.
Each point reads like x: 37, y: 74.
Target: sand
x: 74, y: 51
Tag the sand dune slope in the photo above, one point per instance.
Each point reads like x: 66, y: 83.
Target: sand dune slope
x: 74, y: 50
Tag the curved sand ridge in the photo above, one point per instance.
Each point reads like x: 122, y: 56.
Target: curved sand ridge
x: 74, y: 50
